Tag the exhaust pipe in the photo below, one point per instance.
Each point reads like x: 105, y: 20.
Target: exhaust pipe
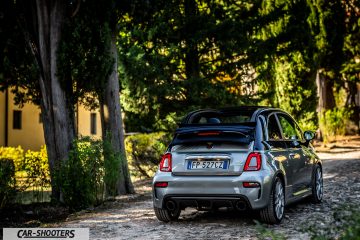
x: 170, y: 205
x: 240, y: 205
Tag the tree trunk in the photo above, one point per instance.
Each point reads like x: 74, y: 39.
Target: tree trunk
x: 113, y: 125
x: 351, y: 103
x: 326, y: 97
x: 192, y: 61
x: 58, y: 118
x: 325, y: 92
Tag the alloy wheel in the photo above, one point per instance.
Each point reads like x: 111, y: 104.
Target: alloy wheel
x: 319, y: 184
x: 279, y: 200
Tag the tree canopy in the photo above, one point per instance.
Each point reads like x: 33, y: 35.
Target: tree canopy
x: 167, y: 57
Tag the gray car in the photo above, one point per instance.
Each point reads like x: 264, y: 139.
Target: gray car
x: 254, y: 158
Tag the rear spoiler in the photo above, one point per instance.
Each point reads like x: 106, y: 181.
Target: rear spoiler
x: 195, y: 133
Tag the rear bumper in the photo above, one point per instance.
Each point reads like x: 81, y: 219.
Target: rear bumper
x: 207, y: 202
x: 215, y: 191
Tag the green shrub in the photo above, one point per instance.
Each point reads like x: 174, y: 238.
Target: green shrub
x: 307, y: 122
x: 144, y: 152
x: 112, y: 163
x: 31, y: 168
x: 264, y: 233
x: 37, y: 168
x: 81, y: 177
x: 333, y: 122
x: 7, y: 183
x: 352, y: 230
x: 16, y: 154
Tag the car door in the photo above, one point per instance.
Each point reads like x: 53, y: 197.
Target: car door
x: 298, y: 161
x: 278, y: 150
x: 308, y: 156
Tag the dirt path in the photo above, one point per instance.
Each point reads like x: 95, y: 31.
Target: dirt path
x: 129, y: 219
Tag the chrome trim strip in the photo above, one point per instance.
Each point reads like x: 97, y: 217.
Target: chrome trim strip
x: 208, y: 157
x: 212, y: 173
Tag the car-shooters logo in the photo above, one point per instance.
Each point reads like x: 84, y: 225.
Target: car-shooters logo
x: 46, y: 233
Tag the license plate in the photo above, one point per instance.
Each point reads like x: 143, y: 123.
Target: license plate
x: 207, y: 165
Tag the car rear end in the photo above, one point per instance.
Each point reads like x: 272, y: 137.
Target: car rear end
x: 210, y: 166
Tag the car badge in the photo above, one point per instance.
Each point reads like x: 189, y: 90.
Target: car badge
x: 209, y: 145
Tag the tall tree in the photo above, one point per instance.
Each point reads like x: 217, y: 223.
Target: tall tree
x: 351, y: 66
x: 183, y: 54
x: 93, y: 70
x: 327, y: 22
x: 58, y: 114
x: 113, y: 123
x: 18, y: 70
x: 40, y: 23
x: 288, y: 75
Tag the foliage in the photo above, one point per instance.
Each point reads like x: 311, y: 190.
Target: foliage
x: 308, y: 121
x: 266, y: 233
x: 87, y: 71
x: 87, y: 68
x: 351, y: 225
x: 333, y: 122
x: 81, y: 176
x: 91, y: 167
x: 144, y: 152
x: 90, y: 174
x: 16, y: 154
x: 195, y: 54
x: 344, y: 226
x: 36, y: 166
x: 177, y: 56
x: 7, y: 183
x: 296, y: 89
x: 351, y: 66
x: 112, y: 163
x: 327, y: 22
x: 287, y: 77
x: 31, y: 167
x: 82, y: 59
x: 18, y: 69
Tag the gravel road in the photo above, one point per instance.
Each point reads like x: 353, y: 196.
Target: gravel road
x: 132, y: 217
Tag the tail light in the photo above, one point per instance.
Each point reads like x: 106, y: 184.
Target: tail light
x: 251, y: 184
x: 165, y: 163
x: 161, y: 184
x: 253, y: 162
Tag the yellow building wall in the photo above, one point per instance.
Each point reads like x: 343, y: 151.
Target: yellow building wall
x: 31, y: 134
x: 84, y: 123
x: 2, y: 118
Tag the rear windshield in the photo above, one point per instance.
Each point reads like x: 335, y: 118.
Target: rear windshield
x: 214, y: 117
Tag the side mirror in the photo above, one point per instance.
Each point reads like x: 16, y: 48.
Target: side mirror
x: 309, y: 135
x: 295, y: 140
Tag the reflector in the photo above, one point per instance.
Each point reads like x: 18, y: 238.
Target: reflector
x: 251, y: 184
x: 161, y: 184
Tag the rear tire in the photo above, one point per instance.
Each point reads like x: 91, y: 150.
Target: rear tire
x: 317, y: 186
x: 274, y: 212
x: 166, y: 215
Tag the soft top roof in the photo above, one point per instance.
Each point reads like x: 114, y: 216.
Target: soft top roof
x: 223, y: 116
x: 193, y: 133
